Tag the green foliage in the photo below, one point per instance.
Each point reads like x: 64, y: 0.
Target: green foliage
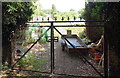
x: 54, y: 11
x: 72, y: 9
x: 4, y: 66
x: 28, y: 41
x: 14, y: 15
x: 57, y: 14
x: 69, y: 14
x: 94, y: 11
x: 75, y: 30
x: 82, y: 35
x: 47, y: 11
x: 42, y: 41
x: 81, y: 13
x: 31, y: 62
x: 16, y: 11
x: 37, y: 9
x: 97, y: 12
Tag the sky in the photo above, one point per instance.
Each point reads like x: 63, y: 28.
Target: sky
x: 63, y: 5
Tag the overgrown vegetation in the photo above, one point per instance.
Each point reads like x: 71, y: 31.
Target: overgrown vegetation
x: 42, y: 41
x: 82, y: 35
x: 31, y: 62
x: 28, y: 41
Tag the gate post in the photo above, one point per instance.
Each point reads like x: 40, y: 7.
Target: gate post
x: 106, y: 52
x: 52, y: 48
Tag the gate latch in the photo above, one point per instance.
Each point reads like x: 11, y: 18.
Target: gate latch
x: 55, y: 39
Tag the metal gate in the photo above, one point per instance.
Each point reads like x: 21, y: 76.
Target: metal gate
x: 53, y: 27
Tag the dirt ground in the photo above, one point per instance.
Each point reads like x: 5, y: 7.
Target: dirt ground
x: 65, y: 63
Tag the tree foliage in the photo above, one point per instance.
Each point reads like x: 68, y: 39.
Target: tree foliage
x: 81, y: 13
x: 37, y: 9
x: 54, y: 11
x: 14, y: 15
x: 94, y: 11
x: 107, y: 11
x: 57, y: 14
x: 16, y: 11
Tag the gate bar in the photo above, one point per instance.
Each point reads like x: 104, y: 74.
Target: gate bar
x: 64, y: 21
x: 78, y: 26
x: 32, y: 71
x: 69, y: 26
x: 71, y: 76
x: 56, y: 74
x: 29, y: 48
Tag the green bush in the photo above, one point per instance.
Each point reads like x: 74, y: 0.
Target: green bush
x: 42, y: 41
x: 26, y: 42
x: 31, y: 62
x: 82, y: 35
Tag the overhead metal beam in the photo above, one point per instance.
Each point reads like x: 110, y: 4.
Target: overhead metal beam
x: 68, y: 26
x: 65, y: 21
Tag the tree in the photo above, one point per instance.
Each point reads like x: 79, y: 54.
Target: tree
x: 14, y: 15
x: 47, y: 11
x: 72, y: 9
x: 107, y: 11
x: 94, y: 11
x: 54, y: 11
x: 81, y: 13
x: 37, y: 9
x: 69, y: 14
